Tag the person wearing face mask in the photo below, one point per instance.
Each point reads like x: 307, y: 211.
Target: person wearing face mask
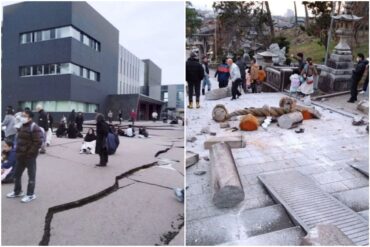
x: 29, y: 142
x: 357, y: 75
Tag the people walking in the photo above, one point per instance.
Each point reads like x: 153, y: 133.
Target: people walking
x: 242, y: 66
x: 254, y: 75
x: 206, y: 82
x: 235, y: 78
x: 222, y: 74
x: 357, y: 74
x: 79, y: 122
x: 102, y: 129
x: 194, y: 75
x: 133, y: 116
x: 29, y: 142
x: 42, y: 123
x: 9, y: 124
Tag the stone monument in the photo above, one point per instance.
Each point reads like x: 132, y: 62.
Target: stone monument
x: 336, y: 74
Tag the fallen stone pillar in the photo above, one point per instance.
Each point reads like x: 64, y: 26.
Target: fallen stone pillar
x: 218, y: 93
x: 234, y: 141
x: 290, y: 120
x: 227, y: 188
x: 191, y: 158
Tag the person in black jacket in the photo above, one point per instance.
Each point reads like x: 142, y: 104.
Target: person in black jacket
x: 194, y: 76
x: 242, y: 66
x: 102, y: 129
x: 43, y: 123
x: 79, y: 121
x: 357, y: 74
x: 72, y: 117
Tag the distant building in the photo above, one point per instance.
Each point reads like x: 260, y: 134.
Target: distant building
x: 131, y: 72
x: 152, y: 80
x: 173, y: 96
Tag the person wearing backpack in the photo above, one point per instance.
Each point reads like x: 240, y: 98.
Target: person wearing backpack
x: 102, y: 129
x: 29, y: 141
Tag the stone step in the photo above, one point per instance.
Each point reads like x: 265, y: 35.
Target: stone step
x: 234, y: 227
x: 356, y: 199
x: 286, y: 237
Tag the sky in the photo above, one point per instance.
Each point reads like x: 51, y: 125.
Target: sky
x: 276, y: 7
x: 154, y: 30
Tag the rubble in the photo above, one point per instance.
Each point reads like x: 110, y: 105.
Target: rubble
x: 191, y: 158
x: 224, y: 125
x: 290, y: 120
x: 234, y: 141
x: 326, y: 234
x: 191, y: 139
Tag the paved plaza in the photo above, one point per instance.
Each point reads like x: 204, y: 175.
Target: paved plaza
x: 324, y: 153
x: 142, y: 211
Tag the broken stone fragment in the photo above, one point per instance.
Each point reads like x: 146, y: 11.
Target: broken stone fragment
x: 290, y: 120
x: 233, y: 140
x: 191, y: 139
x: 358, y: 121
x: 200, y: 173
x: 326, y: 234
x: 218, y: 93
x: 224, y: 125
x: 191, y: 158
x: 205, y: 130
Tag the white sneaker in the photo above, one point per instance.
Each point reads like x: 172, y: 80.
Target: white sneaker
x: 26, y: 199
x: 13, y: 195
x: 362, y: 92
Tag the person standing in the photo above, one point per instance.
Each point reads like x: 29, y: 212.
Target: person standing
x: 365, y: 79
x: 102, y: 129
x: 357, y: 74
x: 308, y: 73
x: 120, y: 116
x: 261, y: 79
x: 110, y: 116
x: 28, y: 144
x: 242, y: 66
x: 72, y: 117
x: 254, y: 75
x: 43, y: 123
x: 133, y: 116
x: 235, y: 78
x: 301, y: 63
x: 206, y: 81
x: 223, y: 74
x: 49, y: 133
x: 80, y: 121
x: 154, y: 116
x: 194, y: 75
x: 9, y: 124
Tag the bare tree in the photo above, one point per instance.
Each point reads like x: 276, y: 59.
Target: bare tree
x: 295, y: 12
x: 271, y: 23
x: 306, y: 21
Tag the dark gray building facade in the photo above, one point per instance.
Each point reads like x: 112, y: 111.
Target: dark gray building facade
x: 63, y: 55
x: 152, y: 80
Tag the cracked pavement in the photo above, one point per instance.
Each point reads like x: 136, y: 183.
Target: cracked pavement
x: 142, y: 210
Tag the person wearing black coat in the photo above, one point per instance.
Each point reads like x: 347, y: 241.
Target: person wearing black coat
x: 72, y: 131
x: 102, y: 129
x: 79, y: 121
x: 357, y: 74
x: 194, y: 76
x: 72, y: 117
x: 242, y: 66
x: 43, y: 123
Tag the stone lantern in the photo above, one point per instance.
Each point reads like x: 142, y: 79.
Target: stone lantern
x: 266, y: 58
x: 336, y: 74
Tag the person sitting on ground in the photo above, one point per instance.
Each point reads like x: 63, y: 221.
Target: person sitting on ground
x: 72, y: 131
x: 261, y: 79
x: 130, y: 131
x: 8, y: 162
x: 143, y: 132
x: 62, y: 130
x: 88, y: 146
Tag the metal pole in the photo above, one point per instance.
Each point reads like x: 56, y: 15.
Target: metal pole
x: 329, y: 33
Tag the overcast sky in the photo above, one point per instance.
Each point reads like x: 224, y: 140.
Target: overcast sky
x: 276, y: 7
x: 154, y: 30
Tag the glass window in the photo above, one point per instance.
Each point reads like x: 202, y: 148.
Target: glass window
x: 46, y: 35
x: 63, y: 106
x: 65, y: 68
x: 49, y: 106
x: 75, y: 69
x: 57, y: 68
x: 85, y: 40
x: 25, y: 71
x: 29, y: 37
x: 46, y: 69
x: 23, y: 38
x: 97, y: 46
x: 37, y: 36
x: 37, y: 70
x: 76, y: 34
x: 85, y: 73
x: 52, y: 68
x: 63, y: 32
x: 52, y: 33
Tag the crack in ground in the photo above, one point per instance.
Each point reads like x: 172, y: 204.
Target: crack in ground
x: 167, y: 237
x: 163, y: 151
x: 81, y: 202
x: 143, y: 182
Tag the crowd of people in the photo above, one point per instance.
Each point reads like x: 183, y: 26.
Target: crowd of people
x: 238, y: 75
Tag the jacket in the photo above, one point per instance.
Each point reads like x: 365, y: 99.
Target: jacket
x: 254, y: 71
x: 10, y: 160
x: 242, y: 67
x: 194, y: 71
x: 223, y: 73
x: 28, y: 143
x: 359, y: 70
x: 102, y: 129
x: 9, y: 122
x: 43, y: 120
x: 234, y: 72
x: 261, y: 75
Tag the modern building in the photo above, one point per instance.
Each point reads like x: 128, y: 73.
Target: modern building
x: 152, y: 80
x: 173, y: 96
x: 63, y: 55
x: 130, y: 73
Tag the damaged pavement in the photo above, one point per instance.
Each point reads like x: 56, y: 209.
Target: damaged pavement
x: 130, y: 202
x: 323, y: 150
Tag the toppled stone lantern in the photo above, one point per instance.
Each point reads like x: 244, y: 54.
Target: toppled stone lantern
x: 336, y: 74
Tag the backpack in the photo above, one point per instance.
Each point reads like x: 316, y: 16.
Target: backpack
x: 42, y: 132
x: 112, y: 143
